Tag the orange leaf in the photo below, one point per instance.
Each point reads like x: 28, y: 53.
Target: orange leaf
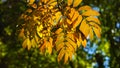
x: 76, y: 3
x: 68, y: 21
x: 84, y: 28
x: 31, y: 1
x: 76, y: 14
x: 58, y: 31
x: 97, y: 32
x: 77, y: 22
x: 59, y: 46
x: 91, y: 13
x: 84, y: 42
x: 49, y: 47
x: 66, y: 58
x: 91, y: 34
x: 84, y: 8
x: 72, y: 43
x: 72, y: 11
x: 61, y: 54
x: 69, y: 2
x: 93, y: 19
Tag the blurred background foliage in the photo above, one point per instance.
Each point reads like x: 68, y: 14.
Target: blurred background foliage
x: 99, y: 53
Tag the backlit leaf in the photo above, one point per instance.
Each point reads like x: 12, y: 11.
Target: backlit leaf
x: 61, y: 54
x: 76, y: 14
x: 91, y: 34
x: 84, y: 8
x: 69, y: 21
x: 69, y: 2
x: 76, y: 3
x: 84, y: 28
x: 31, y: 1
x: 97, y: 32
x: 72, y: 43
x: 58, y: 31
x: 91, y: 13
x: 84, y: 42
x: 72, y: 11
x: 77, y: 22
x: 93, y: 19
x: 66, y: 57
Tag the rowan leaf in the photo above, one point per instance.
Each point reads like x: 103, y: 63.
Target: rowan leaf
x: 71, y: 14
x: 97, y: 32
x: 91, y: 34
x: 84, y: 28
x: 33, y: 42
x: 76, y: 14
x: 59, y: 30
x: 85, y: 8
x: 69, y: 21
x: 76, y: 3
x: 93, y: 19
x: 72, y: 43
x: 69, y: 2
x: 61, y: 54
x: 77, y: 22
x: 26, y: 44
x: 49, y: 47
x: 31, y: 1
x: 66, y: 58
x: 91, y: 13
x: 84, y: 42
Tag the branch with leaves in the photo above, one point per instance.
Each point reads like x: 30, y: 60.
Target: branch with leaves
x: 59, y: 25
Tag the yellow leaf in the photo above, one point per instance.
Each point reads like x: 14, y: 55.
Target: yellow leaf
x: 53, y: 3
x: 51, y: 41
x: 69, y: 2
x: 43, y: 46
x: 76, y: 3
x: 71, y: 36
x: 58, y: 31
x: 84, y: 8
x: 76, y: 14
x: 93, y: 19
x: 91, y: 13
x: 59, y: 40
x: 61, y: 54
x: 29, y: 10
x: 69, y: 46
x: 24, y: 44
x: 31, y: 1
x: 66, y: 58
x: 91, y: 34
x: 33, y: 43
x: 69, y: 21
x: 57, y: 16
x: 72, y: 43
x: 72, y: 11
x: 49, y: 47
x: 78, y: 43
x: 97, y: 32
x: 28, y: 44
x: 77, y: 22
x: 21, y: 34
x: 84, y: 28
x: 59, y: 46
x: 95, y: 25
x: 84, y: 42
x: 70, y: 55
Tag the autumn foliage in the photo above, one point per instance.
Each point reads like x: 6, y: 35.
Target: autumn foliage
x: 60, y: 25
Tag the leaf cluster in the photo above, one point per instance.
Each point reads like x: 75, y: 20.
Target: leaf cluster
x: 59, y: 25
